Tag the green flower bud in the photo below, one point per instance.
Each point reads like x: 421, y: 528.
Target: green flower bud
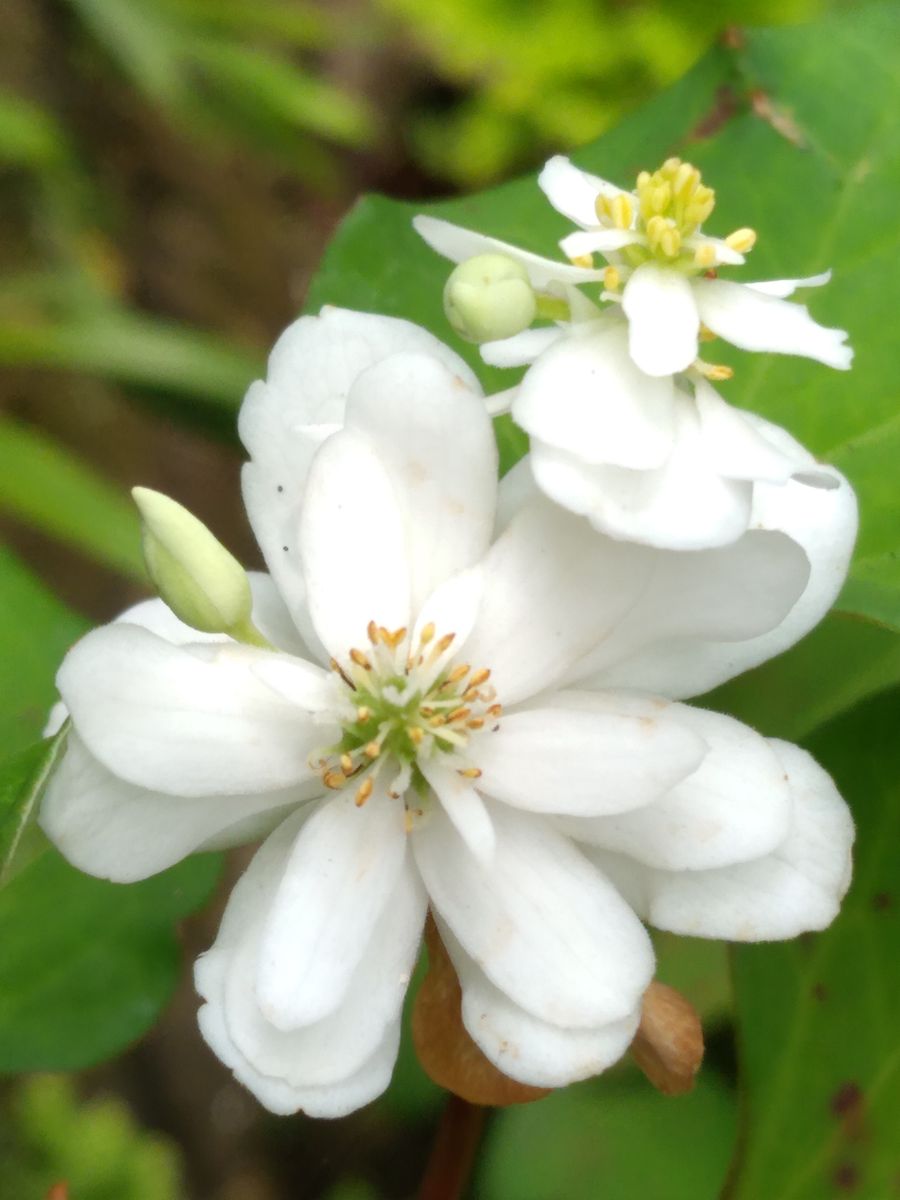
x: 489, y: 297
x: 204, y: 585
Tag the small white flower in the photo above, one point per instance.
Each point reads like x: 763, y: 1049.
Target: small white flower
x: 502, y: 687
x: 624, y: 424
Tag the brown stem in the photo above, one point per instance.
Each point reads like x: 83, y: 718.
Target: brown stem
x: 453, y: 1154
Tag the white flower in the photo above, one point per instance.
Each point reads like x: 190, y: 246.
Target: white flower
x: 625, y: 426
x: 396, y: 780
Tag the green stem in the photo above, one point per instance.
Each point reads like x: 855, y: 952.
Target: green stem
x: 247, y: 633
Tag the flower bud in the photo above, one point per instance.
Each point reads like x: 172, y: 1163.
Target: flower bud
x: 204, y: 585
x: 489, y: 297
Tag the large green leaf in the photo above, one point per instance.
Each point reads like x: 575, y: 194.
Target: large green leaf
x: 615, y: 1139
x: 818, y: 1017
x: 46, y: 486
x: 87, y: 965
x: 795, y: 147
x: 35, y: 632
x: 22, y: 782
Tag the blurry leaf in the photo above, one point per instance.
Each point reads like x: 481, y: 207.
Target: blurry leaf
x: 87, y: 965
x: 614, y: 1138
x: 699, y: 969
x: 36, y: 631
x: 136, y: 349
x: 22, y: 782
x: 818, y: 1016
x: 818, y: 180
x: 294, y: 22
x: 282, y: 90
x: 29, y: 135
x: 46, y: 486
x: 140, y: 39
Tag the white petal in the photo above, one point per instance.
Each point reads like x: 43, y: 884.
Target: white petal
x: 552, y: 591
x: 517, y: 487
x: 542, y: 924
x: 453, y: 607
x: 663, y: 324
x: 464, y: 807
x: 118, y: 831
x: 574, y: 192
x: 735, y: 807
x: 748, y: 318
x: 173, y: 719
x: 701, y: 615
x: 522, y: 1046
x: 795, y: 889
x: 284, y: 420
x: 522, y: 348
x: 341, y: 871
x: 685, y: 504
x: 431, y: 433
x: 739, y: 448
x: 786, y: 287
x: 598, y: 241
x: 336, y: 1065
x: 458, y: 244
x: 585, y: 395
x: 353, y: 545
x: 589, y: 754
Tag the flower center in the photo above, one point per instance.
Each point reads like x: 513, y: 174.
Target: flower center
x: 405, y: 702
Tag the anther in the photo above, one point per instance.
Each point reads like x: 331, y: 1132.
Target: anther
x: 360, y: 659
x: 445, y: 642
x: 364, y: 791
x: 372, y: 631
x: 582, y: 260
x: 621, y: 211
x: 363, y: 714
x: 715, y: 372
x: 334, y: 779
x: 415, y: 733
x: 458, y: 714
x: 611, y: 279
x: 427, y: 634
x: 347, y: 764
x: 470, y: 772
x: 475, y: 723
x: 372, y: 750
x: 742, y: 240
x: 459, y: 672
x: 496, y: 710
x: 705, y: 255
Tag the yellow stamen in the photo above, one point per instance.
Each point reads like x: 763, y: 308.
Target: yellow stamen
x: 364, y: 792
x: 415, y: 733
x: 427, y: 634
x: 360, y: 659
x: 459, y: 672
x: 582, y: 260
x: 481, y: 676
x: 372, y: 750
x: 611, y: 279
x: 372, y: 631
x: 471, y: 772
x: 346, y: 764
x: 715, y: 372
x: 475, y: 723
x: 742, y: 240
x: 705, y: 255
x: 706, y: 334
x: 334, y: 779
x: 459, y: 714
x: 363, y: 714
x: 621, y: 211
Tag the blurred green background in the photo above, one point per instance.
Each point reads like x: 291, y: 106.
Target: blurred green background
x: 171, y: 173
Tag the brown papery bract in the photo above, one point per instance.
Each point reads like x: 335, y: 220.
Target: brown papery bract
x: 668, y: 1046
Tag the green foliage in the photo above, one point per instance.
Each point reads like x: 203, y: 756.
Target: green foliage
x: 22, y: 783
x: 614, y: 1138
x: 818, y: 1016
x: 545, y: 76
x: 48, y: 1135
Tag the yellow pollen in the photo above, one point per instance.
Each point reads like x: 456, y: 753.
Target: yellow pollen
x: 415, y: 733
x: 471, y: 772
x: 482, y: 675
x: 459, y: 714
x: 360, y: 659
x: 427, y: 634
x: 459, y: 672
x: 363, y: 714
x: 715, y: 372
x: 742, y: 240
x: 346, y: 764
x: 621, y: 211
x: 372, y: 631
x: 372, y: 750
x: 334, y: 779
x: 582, y: 260
x: 444, y: 643
x: 705, y: 255
x: 611, y: 279
x: 496, y: 710
x: 672, y: 203
x: 363, y: 792
x: 706, y: 334
x: 475, y: 723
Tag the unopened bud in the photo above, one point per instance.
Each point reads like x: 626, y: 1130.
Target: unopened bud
x: 204, y: 585
x: 489, y: 297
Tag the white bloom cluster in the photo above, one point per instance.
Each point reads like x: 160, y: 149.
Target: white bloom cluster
x: 625, y: 426
x: 460, y: 696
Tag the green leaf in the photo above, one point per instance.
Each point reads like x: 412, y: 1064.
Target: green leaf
x: 46, y: 486
x: 818, y: 179
x: 614, y: 1138
x: 135, y: 349
x: 87, y: 965
x: 36, y: 631
x: 818, y: 1016
x: 29, y: 135
x: 22, y: 783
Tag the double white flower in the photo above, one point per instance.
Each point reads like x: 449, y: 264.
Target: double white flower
x: 499, y: 736
x: 624, y: 423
